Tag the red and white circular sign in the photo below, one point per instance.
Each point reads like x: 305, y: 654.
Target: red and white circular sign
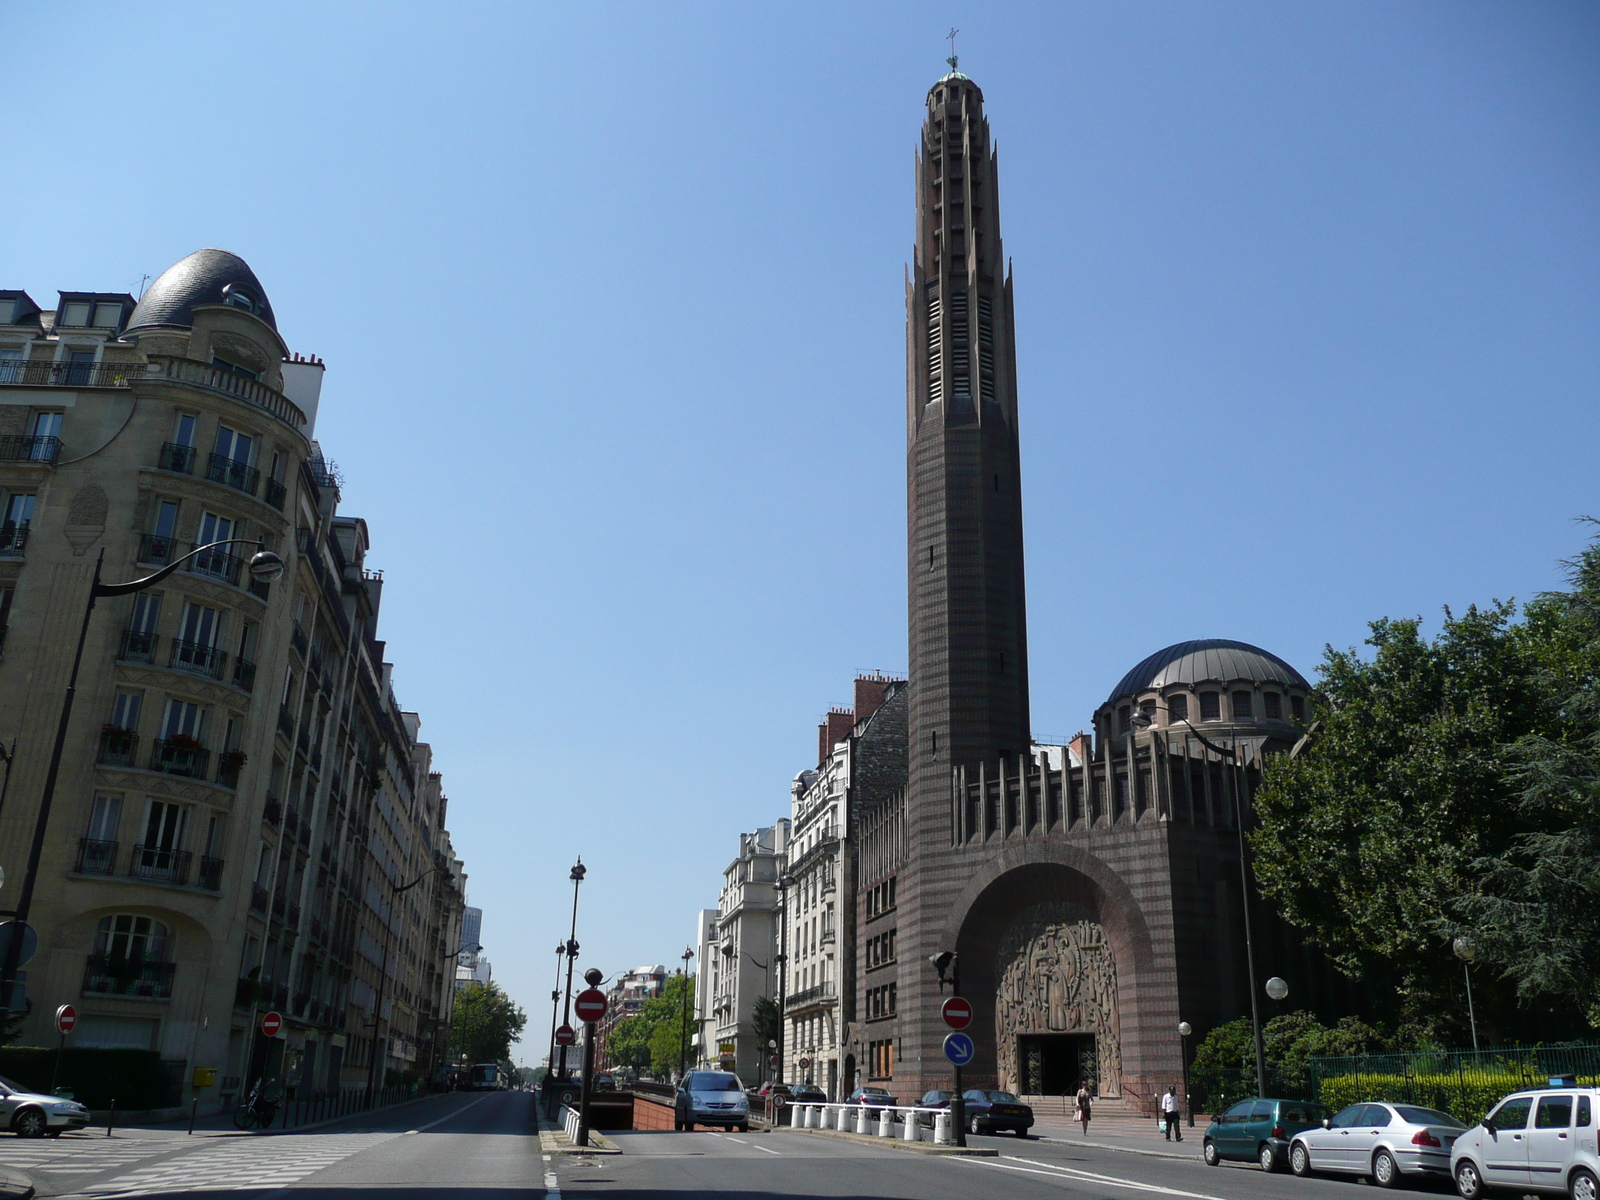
x: 590, y: 1005
x: 957, y: 1013
x: 565, y: 1036
x: 66, y: 1018
x: 804, y: 1063
x: 271, y: 1024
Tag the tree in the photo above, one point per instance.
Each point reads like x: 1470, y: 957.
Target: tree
x: 653, y: 1037
x: 766, y: 1021
x: 485, y: 1023
x: 1224, y: 1066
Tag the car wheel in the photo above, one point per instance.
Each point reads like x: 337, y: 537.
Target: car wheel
x: 1468, y: 1182
x: 1268, y: 1158
x: 29, y: 1123
x: 1584, y: 1185
x: 973, y: 1127
x: 1210, y: 1151
x: 1385, y: 1171
x: 744, y: 1129
x: 1300, y: 1160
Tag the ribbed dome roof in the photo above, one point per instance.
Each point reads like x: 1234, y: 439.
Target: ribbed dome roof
x: 1216, y: 659
x: 204, y: 277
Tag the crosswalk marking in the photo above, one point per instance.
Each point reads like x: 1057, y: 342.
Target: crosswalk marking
x: 240, y: 1163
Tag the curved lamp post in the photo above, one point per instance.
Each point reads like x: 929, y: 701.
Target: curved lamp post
x: 265, y: 567
x: 1466, y: 952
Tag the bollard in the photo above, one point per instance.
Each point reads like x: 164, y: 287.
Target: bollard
x: 941, y: 1127
x: 864, y: 1120
x: 112, y: 1119
x: 825, y: 1117
x: 913, y: 1132
x: 886, y: 1122
x: 194, y: 1111
x: 811, y: 1116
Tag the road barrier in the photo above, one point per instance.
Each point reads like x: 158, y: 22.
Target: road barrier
x: 880, y: 1119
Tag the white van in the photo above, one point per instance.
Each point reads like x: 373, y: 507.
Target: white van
x: 1538, y: 1140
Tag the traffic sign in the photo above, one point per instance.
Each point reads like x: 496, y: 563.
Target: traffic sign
x: 66, y: 1018
x: 958, y: 1048
x: 805, y: 1063
x: 957, y: 1013
x: 565, y: 1036
x: 271, y: 1024
x: 590, y: 1005
x: 29, y: 935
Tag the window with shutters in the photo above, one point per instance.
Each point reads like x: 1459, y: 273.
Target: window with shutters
x: 986, y: 348
x: 935, y: 350
x: 960, y: 349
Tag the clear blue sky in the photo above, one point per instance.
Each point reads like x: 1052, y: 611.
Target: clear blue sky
x: 611, y: 302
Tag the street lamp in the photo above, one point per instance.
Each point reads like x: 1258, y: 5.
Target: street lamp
x: 1466, y: 952
x: 948, y: 964
x: 1144, y: 718
x: 683, y: 1023
x: 1277, y: 988
x: 576, y: 875
x: 785, y: 882
x: 264, y: 567
x: 555, y: 1002
x: 1184, y: 1030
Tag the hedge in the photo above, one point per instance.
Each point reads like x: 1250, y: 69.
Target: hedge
x: 1468, y: 1095
x: 135, y: 1079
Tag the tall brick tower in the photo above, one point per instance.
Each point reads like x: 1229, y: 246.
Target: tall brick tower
x: 968, y: 628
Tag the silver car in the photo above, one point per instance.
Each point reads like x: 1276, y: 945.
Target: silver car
x: 1385, y: 1141
x: 33, y: 1114
x: 1542, y: 1140
x: 711, y: 1098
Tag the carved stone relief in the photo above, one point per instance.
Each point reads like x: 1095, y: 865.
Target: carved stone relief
x: 86, y: 517
x: 1057, y: 975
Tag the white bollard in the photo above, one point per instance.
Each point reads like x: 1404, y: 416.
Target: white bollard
x: 864, y: 1120
x: 825, y: 1117
x: 941, y: 1128
x: 886, y: 1122
x: 913, y: 1130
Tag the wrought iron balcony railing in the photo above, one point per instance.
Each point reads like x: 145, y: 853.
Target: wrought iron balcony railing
x: 197, y: 658
x: 104, y: 975
x: 233, y: 473
x: 43, y: 373
x: 273, y: 811
x: 160, y: 866
x: 96, y: 857
x: 810, y: 995
x: 217, y: 564
x: 219, y: 379
x: 258, y: 899
x: 118, y: 747
x: 229, y: 764
x: 13, y: 539
x: 176, y: 458
x: 138, y: 646
x: 16, y: 447
x: 210, y: 877
x: 153, y: 548
x: 276, y: 494
x: 179, y: 757
x: 244, y: 674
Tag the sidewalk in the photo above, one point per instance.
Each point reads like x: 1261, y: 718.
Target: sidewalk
x: 221, y: 1124
x: 14, y: 1185
x: 1133, y: 1135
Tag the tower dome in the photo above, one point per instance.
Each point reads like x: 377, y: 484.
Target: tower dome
x: 1207, y: 660
x: 204, y: 277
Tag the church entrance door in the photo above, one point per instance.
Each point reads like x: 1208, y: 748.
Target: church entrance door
x: 1054, y: 1064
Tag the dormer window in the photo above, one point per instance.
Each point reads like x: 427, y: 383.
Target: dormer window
x: 107, y: 316
x: 75, y: 313
x: 238, y: 297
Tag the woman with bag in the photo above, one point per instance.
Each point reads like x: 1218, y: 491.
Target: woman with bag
x: 1083, y: 1107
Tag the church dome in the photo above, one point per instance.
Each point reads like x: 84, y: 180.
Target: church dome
x: 204, y: 277
x: 1214, y: 660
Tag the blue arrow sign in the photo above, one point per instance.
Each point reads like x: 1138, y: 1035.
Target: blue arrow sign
x: 958, y: 1048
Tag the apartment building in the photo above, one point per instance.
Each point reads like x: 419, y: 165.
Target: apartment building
x: 245, y: 819
x: 743, y: 966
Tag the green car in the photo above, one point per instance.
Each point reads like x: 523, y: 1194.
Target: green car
x: 1260, y: 1131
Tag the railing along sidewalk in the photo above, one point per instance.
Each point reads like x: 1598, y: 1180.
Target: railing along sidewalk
x: 879, y: 1120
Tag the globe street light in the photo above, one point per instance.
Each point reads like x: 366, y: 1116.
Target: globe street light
x: 1277, y: 988
x: 1184, y: 1030
x: 1466, y: 952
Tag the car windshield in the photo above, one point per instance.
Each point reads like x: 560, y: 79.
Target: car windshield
x: 1427, y: 1116
x: 713, y: 1081
x: 1301, y: 1114
x: 873, y: 1092
x: 1001, y: 1098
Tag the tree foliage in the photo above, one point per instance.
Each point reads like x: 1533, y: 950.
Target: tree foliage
x: 1224, y: 1067
x: 652, y: 1039
x: 1450, y: 790
x: 485, y: 1023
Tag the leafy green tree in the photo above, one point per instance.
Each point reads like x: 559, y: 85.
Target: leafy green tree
x: 485, y: 1023
x: 1224, y: 1067
x: 651, y: 1039
x: 766, y: 1021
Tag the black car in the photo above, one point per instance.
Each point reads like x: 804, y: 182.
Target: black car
x: 806, y: 1093
x: 872, y: 1097
x: 605, y: 1082
x: 995, y: 1112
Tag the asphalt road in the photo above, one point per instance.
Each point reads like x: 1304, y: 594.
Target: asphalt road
x: 487, y: 1145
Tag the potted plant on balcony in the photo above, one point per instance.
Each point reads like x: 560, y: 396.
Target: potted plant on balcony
x: 229, y: 764
x: 116, y: 739
x: 182, y: 741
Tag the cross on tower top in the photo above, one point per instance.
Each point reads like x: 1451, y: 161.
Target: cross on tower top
x: 952, y: 60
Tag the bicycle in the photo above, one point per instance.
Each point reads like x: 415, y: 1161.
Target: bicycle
x: 257, y: 1110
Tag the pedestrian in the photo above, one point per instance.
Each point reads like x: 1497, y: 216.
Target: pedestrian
x: 1083, y: 1107
x: 1171, y: 1110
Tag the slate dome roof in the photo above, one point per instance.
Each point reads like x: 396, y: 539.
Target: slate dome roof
x: 204, y: 277
x: 1209, y: 658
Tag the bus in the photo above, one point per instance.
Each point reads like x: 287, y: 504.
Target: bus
x: 488, y: 1077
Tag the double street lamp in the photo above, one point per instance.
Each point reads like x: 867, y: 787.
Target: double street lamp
x: 264, y: 567
x: 576, y: 875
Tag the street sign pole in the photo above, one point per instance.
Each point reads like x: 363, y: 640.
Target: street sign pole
x: 958, y: 1106
x: 66, y: 1018
x: 591, y: 1006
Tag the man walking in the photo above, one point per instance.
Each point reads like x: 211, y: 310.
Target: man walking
x: 1170, y: 1111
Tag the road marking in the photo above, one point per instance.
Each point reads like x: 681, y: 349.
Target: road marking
x: 1051, y: 1170
x: 731, y: 1138
x: 764, y: 1150
x: 447, y: 1116
x: 551, y: 1187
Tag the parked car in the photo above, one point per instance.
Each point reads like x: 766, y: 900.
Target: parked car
x: 770, y: 1088
x: 933, y: 1099
x: 996, y: 1112
x: 34, y: 1114
x: 1259, y: 1130
x: 807, y: 1093
x: 872, y: 1097
x: 711, y: 1098
x: 1384, y: 1141
x: 605, y: 1082
x: 1538, y: 1140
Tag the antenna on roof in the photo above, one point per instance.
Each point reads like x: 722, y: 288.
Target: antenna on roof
x: 143, y: 279
x: 952, y: 60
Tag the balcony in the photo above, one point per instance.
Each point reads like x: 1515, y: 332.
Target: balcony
x: 17, y: 447
x: 297, y: 639
x: 155, y: 865
x: 216, y: 564
x: 43, y: 373
x: 291, y: 821
x: 219, y: 379
x: 153, y: 548
x: 13, y: 540
x: 179, y: 756
x: 820, y: 994
x: 244, y: 674
x: 293, y: 919
x: 210, y: 878
x: 285, y: 721
x: 96, y: 857
x: 258, y: 899
x: 178, y: 458
x: 273, y: 812
x: 276, y: 494
x: 118, y: 747
x: 197, y: 659
x: 229, y: 764
x: 233, y: 473
x: 138, y: 646
x: 107, y: 976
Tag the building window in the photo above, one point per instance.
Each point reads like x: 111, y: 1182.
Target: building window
x: 1243, y: 710
x: 1178, y: 708
x: 125, y: 710
x: 1210, y: 706
x: 107, y: 316
x: 1272, y: 704
x: 1297, y: 706
x: 1124, y: 718
x: 80, y: 367
x: 75, y: 312
x: 130, y: 938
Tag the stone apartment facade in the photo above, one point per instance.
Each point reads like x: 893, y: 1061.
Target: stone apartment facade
x: 743, y: 963
x: 241, y: 798
x: 625, y: 999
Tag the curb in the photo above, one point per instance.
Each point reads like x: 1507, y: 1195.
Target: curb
x: 14, y: 1185
x: 1065, y: 1141
x: 553, y: 1140
x: 895, y: 1143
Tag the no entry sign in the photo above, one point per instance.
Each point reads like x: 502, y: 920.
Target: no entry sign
x: 271, y: 1023
x: 66, y: 1018
x: 590, y: 1005
x: 565, y: 1036
x: 957, y: 1013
